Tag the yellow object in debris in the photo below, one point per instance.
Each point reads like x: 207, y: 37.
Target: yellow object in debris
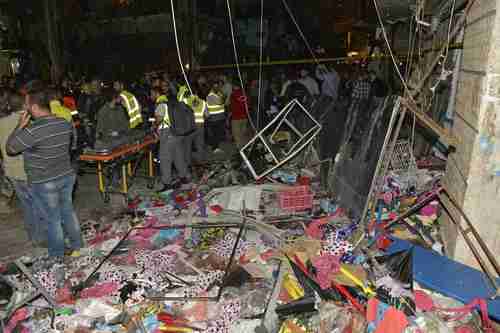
x: 358, y: 282
x: 291, y: 327
x: 292, y: 287
x: 164, y: 328
x: 281, y: 136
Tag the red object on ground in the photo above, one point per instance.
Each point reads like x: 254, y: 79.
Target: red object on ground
x: 350, y: 298
x: 305, y: 181
x: 216, y: 209
x: 383, y: 242
x: 340, y: 288
x: 298, y: 198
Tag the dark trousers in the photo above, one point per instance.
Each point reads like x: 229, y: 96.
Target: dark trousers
x: 216, y: 132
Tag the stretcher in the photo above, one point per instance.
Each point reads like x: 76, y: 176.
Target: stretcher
x: 126, y: 154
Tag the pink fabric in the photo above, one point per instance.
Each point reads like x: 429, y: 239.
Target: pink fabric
x: 145, y: 234
x: 314, y: 229
x: 464, y: 329
x: 423, y: 301
x: 388, y: 198
x: 64, y: 295
x: 19, y: 315
x: 371, y: 309
x: 394, y: 321
x: 268, y: 254
x: 100, y: 290
x: 430, y: 210
x: 326, y: 265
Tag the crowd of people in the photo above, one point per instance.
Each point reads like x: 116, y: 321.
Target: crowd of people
x: 43, y: 128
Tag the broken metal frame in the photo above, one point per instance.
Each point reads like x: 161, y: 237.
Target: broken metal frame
x: 381, y: 169
x: 298, y: 146
x: 440, y: 194
x: 409, y: 104
x: 39, y: 291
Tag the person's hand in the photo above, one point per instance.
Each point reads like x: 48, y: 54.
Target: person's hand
x: 25, y: 119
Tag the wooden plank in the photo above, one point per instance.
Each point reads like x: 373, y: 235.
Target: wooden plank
x: 443, y: 133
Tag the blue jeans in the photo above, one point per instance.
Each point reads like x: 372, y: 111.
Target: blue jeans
x: 33, y: 224
x: 56, y: 205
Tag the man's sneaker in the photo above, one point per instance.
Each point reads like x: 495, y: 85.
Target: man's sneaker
x: 75, y: 254
x: 218, y: 151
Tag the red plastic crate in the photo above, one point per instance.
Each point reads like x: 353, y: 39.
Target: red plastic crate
x: 297, y: 199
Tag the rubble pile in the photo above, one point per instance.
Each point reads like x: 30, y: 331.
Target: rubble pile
x: 278, y: 256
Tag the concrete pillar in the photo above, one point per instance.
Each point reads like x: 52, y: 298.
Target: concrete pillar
x: 473, y: 171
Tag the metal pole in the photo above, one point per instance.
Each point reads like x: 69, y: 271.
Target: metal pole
x: 473, y: 230
x: 379, y: 167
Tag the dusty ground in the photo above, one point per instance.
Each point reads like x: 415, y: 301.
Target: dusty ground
x: 88, y: 205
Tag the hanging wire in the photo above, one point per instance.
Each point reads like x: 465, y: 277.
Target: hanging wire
x: 413, y: 33
x: 449, y: 33
x: 236, y: 59
x: 178, y: 48
x: 313, y: 55
x: 300, y: 32
x: 260, y: 60
x: 396, y: 67
x: 409, y: 64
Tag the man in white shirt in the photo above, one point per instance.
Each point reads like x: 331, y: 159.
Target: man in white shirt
x: 310, y: 83
x: 330, y: 81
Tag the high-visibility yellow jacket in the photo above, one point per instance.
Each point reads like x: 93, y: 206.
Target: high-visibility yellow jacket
x: 60, y: 111
x: 215, y: 103
x: 199, y: 107
x: 133, y: 108
x: 182, y: 94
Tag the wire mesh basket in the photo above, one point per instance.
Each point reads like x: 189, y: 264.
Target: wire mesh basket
x: 403, y: 166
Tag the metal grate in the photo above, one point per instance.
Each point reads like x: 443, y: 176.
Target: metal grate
x: 403, y: 165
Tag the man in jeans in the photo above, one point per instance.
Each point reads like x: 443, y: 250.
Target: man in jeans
x: 45, y: 142
x: 14, y: 171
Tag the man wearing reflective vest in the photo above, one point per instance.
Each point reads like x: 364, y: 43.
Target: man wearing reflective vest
x: 171, y: 147
x: 216, y: 117
x: 183, y: 94
x: 130, y: 103
x: 199, y: 107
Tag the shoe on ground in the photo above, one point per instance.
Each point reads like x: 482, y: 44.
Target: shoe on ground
x: 218, y: 151
x: 165, y: 188
x: 75, y: 254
